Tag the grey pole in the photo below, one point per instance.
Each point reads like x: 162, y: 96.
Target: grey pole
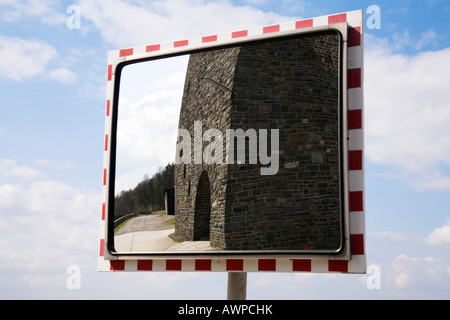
x: 237, y: 286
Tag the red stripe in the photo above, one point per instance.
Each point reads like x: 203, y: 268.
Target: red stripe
x: 118, y: 265
x: 203, y: 265
x: 239, y: 34
x: 180, y: 43
x: 126, y: 52
x: 104, y: 177
x: 145, y: 265
x: 103, y: 211
x: 354, y: 119
x: 337, y: 18
x: 301, y: 265
x: 173, y: 265
x: 356, y: 201
x: 354, y: 37
x: 270, y: 29
x: 354, y: 78
x: 153, y: 47
x: 267, y: 264
x: 102, y: 247
x: 355, y: 159
x: 108, y: 105
x: 109, y: 72
x: 338, y: 265
x: 106, y: 142
x: 235, y: 264
x: 357, y: 244
x: 209, y: 38
x: 304, y: 24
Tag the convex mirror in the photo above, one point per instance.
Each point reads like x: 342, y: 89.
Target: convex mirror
x: 233, y: 149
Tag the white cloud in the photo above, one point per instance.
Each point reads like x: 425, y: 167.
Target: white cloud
x: 439, y: 236
x: 49, y: 11
x: 146, y: 137
x: 409, y: 269
x: 417, y: 273
x: 148, y: 118
x: 47, y: 225
x: 256, y: 2
x: 54, y: 164
x: 10, y: 169
x: 405, y: 40
x: 404, y: 256
x: 395, y: 236
x: 8, y: 194
x: 23, y: 59
x: 429, y: 37
x: 124, y: 24
x: 401, y: 280
x: 89, y: 63
x: 407, y: 113
x: 37, y: 208
x: 63, y: 75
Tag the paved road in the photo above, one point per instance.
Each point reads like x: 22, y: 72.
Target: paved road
x: 145, y: 223
x: 144, y: 241
x: 151, y: 234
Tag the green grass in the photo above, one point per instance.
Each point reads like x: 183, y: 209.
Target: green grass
x: 122, y: 224
x: 170, y: 222
x: 160, y: 213
x: 174, y: 238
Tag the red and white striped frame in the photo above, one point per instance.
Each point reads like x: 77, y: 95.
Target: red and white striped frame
x: 355, y: 112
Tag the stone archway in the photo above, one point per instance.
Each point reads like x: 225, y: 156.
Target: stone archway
x: 202, y: 213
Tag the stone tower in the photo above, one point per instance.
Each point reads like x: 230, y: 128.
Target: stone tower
x: 290, y: 85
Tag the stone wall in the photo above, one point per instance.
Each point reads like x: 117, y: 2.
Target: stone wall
x: 291, y: 86
x: 211, y: 105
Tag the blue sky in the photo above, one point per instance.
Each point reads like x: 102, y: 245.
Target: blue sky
x: 52, y: 117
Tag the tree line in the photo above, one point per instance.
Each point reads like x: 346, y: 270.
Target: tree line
x: 147, y: 196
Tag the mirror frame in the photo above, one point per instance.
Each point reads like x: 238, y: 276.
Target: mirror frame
x: 121, y: 58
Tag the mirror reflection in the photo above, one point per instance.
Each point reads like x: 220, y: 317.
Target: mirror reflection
x: 231, y: 149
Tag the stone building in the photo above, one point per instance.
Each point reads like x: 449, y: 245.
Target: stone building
x: 290, y: 85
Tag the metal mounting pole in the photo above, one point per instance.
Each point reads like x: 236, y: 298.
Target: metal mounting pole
x: 237, y: 286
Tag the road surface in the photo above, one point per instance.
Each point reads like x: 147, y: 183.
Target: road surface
x: 149, y: 234
x: 146, y: 223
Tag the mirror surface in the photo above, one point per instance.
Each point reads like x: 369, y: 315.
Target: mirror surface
x: 231, y: 149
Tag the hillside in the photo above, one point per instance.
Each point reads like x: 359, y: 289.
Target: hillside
x: 147, y: 196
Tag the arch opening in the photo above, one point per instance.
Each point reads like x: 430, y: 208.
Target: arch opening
x: 202, y: 214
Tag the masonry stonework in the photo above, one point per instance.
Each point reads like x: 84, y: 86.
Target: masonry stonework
x: 290, y: 85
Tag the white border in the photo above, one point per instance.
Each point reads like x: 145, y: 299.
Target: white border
x: 355, y: 107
